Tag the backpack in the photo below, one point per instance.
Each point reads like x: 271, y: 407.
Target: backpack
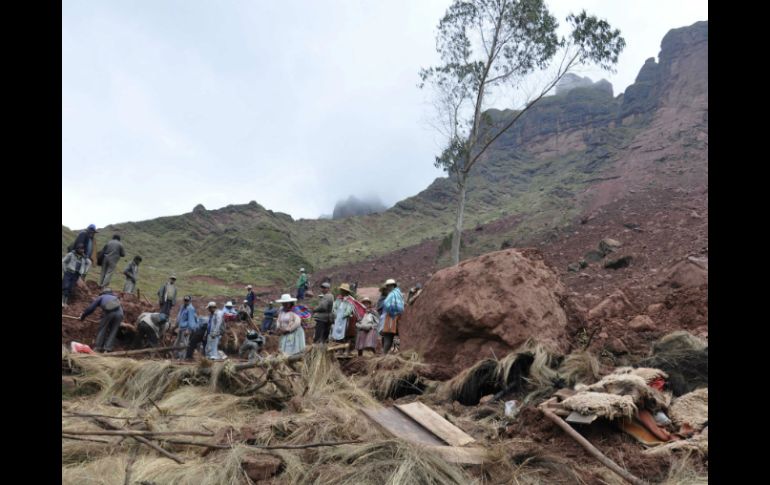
x: 111, y: 305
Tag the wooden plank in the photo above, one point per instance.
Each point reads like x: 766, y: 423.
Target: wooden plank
x: 433, y: 422
x: 465, y: 456
x: 402, y: 426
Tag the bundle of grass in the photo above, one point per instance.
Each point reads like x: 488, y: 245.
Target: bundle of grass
x: 394, y: 376
x: 634, y: 386
x: 602, y: 404
x: 134, y: 380
x: 385, y: 462
x: 470, y: 385
x: 698, y: 445
x: 684, y: 357
x: 225, y: 468
x: 580, y: 367
x: 691, y: 409
x: 535, y: 467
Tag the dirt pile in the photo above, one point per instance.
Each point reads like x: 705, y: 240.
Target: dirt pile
x: 486, y: 307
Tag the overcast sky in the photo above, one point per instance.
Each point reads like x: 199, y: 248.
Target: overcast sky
x: 295, y: 104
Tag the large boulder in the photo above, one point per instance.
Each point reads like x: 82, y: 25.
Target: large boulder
x: 486, y: 307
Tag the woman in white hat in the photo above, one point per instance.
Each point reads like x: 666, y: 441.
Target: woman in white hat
x: 289, y: 327
x: 393, y: 307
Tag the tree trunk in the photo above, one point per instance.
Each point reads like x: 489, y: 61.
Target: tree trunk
x: 458, y: 231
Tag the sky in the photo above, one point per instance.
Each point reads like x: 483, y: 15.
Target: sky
x: 167, y: 104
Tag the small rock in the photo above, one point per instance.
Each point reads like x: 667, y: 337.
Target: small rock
x: 574, y: 267
x: 486, y: 399
x: 603, y: 335
x: 654, y: 308
x: 641, y: 323
x: 261, y: 466
x: 593, y: 256
x: 608, y: 245
x: 616, y: 346
x: 618, y: 263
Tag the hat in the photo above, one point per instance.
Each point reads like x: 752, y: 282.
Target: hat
x: 106, y: 290
x: 325, y: 285
x: 211, y: 304
x: 172, y: 276
x: 302, y: 270
x: 229, y: 303
x: 345, y: 287
x: 80, y: 246
x: 245, y: 301
x: 286, y: 298
x: 365, y: 299
x: 92, y: 227
x: 248, y: 287
x: 391, y: 281
x: 187, y: 298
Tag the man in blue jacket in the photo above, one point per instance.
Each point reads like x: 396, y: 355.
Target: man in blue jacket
x: 186, y: 323
x: 270, y: 312
x: 112, y: 316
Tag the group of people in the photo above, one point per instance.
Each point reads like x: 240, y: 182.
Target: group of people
x: 339, y: 319
x: 344, y: 319
x: 79, y: 260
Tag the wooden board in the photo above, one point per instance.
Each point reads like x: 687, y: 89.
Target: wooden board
x: 465, y: 456
x: 402, y: 426
x: 576, y: 417
x: 433, y: 422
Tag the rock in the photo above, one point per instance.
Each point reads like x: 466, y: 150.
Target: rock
x: 486, y: 399
x: 641, y: 323
x: 689, y: 272
x: 616, y: 346
x: 489, y: 305
x: 574, y: 267
x: 593, y: 256
x: 607, y: 246
x: 654, y: 308
x: 603, y: 335
x: 618, y: 263
x: 261, y: 466
x: 615, y: 305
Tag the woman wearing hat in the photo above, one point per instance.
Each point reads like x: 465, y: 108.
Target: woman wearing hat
x: 393, y: 308
x: 366, y: 337
x: 289, y: 327
x: 342, y: 310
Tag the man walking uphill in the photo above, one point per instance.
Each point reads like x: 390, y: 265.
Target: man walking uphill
x: 74, y: 265
x: 132, y: 273
x: 301, y: 284
x: 86, y: 238
x: 111, y: 254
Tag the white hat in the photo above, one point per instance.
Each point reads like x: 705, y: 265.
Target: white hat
x: 211, y: 304
x: 229, y: 303
x: 245, y: 301
x: 302, y: 270
x: 390, y: 282
x: 248, y: 287
x: 286, y: 298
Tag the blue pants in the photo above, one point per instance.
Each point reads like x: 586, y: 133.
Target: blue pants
x: 301, y: 293
x: 70, y: 279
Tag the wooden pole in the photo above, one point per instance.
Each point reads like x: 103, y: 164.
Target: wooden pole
x: 621, y: 472
x: 132, y: 432
x: 106, y: 424
x: 126, y: 353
